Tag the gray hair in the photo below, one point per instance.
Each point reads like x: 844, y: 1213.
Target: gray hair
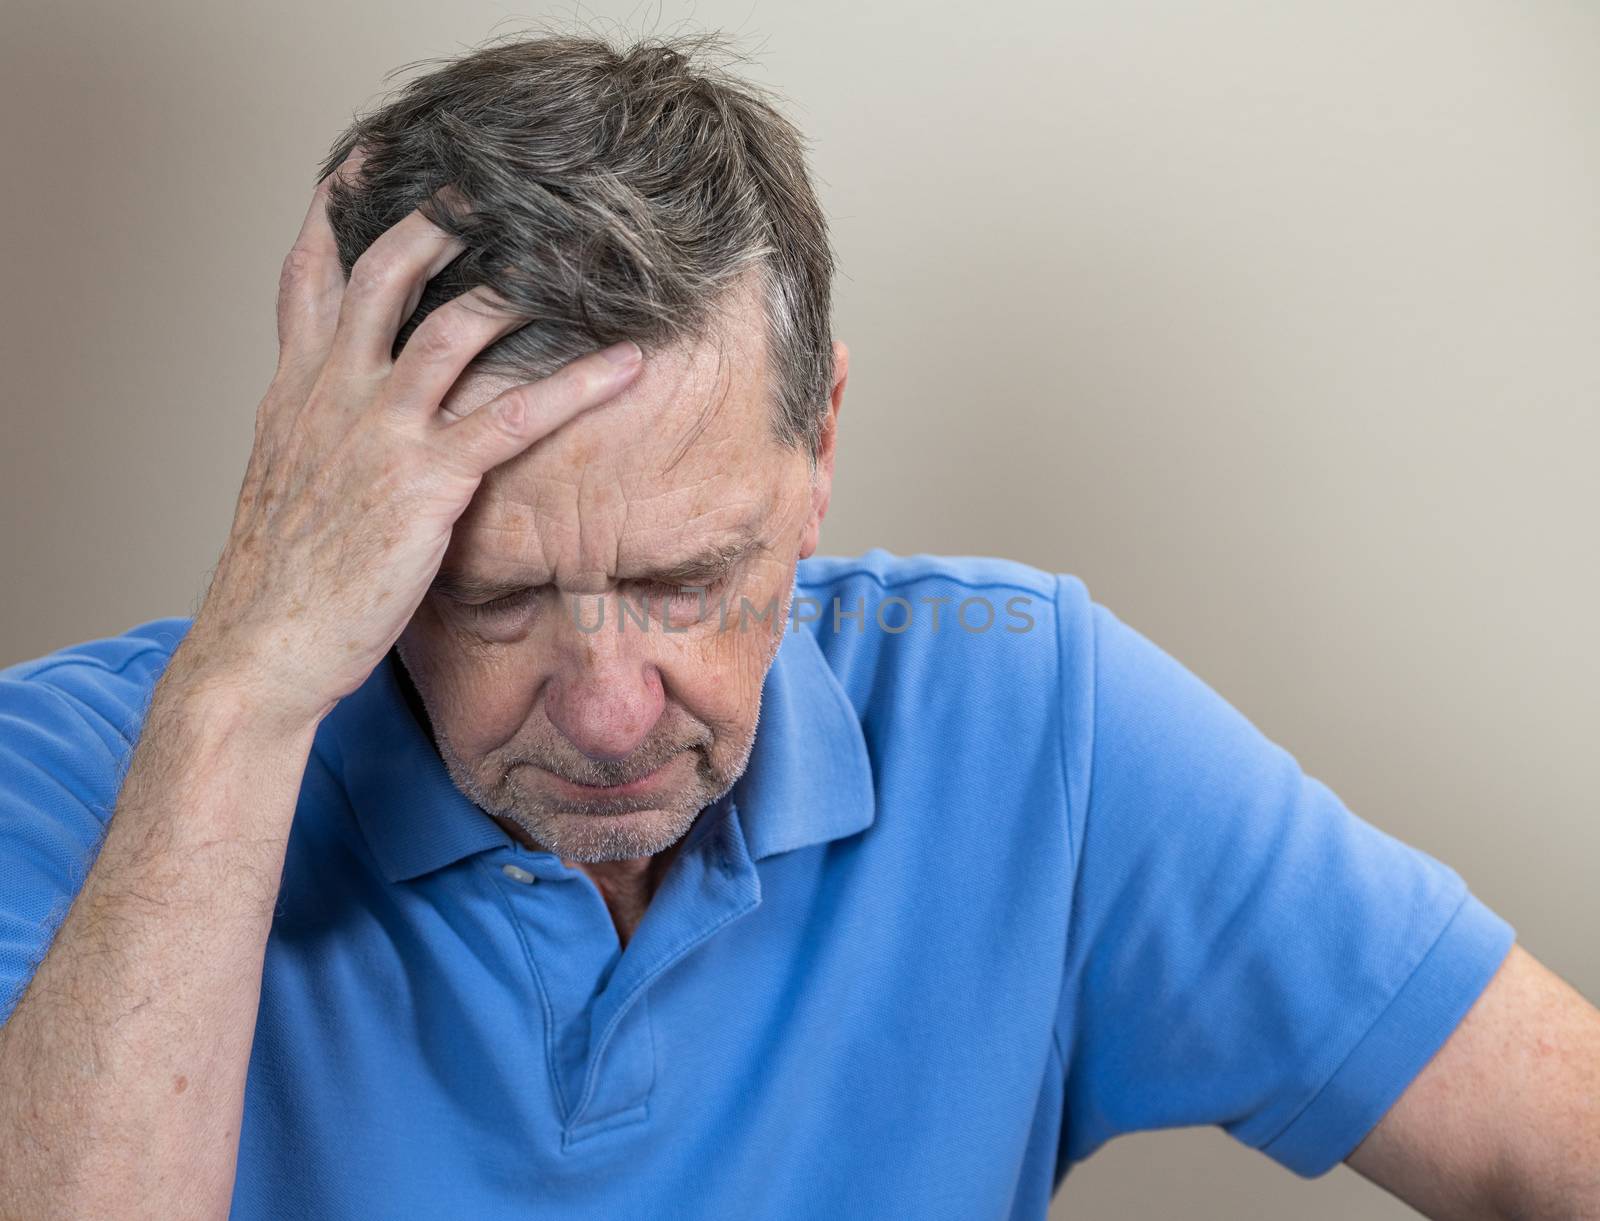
x: 613, y: 193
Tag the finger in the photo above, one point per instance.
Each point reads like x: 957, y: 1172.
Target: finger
x: 445, y: 343
x: 387, y: 277
x: 312, y: 280
x: 315, y: 233
x: 508, y: 424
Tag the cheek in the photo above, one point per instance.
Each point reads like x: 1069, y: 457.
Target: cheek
x: 718, y: 670
x: 719, y: 684
x: 478, y: 698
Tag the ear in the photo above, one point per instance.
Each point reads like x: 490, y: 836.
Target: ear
x: 822, y: 480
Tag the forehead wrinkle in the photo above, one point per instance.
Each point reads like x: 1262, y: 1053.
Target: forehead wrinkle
x: 565, y: 483
x: 662, y: 551
x: 674, y: 540
x: 529, y: 514
x: 507, y: 519
x: 589, y: 517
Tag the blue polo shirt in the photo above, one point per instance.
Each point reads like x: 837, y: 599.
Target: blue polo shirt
x: 991, y: 892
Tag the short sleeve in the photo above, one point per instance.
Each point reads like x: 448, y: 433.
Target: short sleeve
x: 67, y: 724
x: 1245, y: 952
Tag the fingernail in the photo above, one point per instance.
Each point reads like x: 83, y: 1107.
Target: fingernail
x: 624, y: 353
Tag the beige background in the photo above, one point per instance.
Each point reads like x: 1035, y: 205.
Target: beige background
x: 1274, y: 322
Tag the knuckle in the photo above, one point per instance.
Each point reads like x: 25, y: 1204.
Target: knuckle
x: 436, y: 337
x: 569, y: 385
x: 512, y: 412
x: 278, y: 403
x: 266, y: 415
x: 591, y: 383
x: 299, y: 266
x: 372, y: 273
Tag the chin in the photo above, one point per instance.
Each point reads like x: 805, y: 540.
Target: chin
x: 600, y: 835
x: 589, y: 829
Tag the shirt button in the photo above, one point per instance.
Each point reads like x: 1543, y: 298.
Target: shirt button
x: 517, y: 873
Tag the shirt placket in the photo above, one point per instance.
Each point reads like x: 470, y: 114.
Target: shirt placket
x: 594, y: 993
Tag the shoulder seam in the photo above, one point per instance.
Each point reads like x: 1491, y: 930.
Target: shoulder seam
x: 80, y: 707
x: 79, y: 660
x: 1073, y: 880
x: 76, y: 707
x: 924, y: 576
x: 1086, y: 797
x: 1061, y: 706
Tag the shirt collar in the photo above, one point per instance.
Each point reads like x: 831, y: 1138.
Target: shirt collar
x: 809, y: 779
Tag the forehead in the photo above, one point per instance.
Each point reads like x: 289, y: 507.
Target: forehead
x: 684, y: 456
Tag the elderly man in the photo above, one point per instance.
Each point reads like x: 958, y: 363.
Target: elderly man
x: 442, y: 866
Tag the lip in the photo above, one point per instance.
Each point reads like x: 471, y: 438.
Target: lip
x: 632, y: 788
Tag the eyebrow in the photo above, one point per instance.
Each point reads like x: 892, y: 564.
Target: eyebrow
x: 462, y: 587
x: 706, y: 565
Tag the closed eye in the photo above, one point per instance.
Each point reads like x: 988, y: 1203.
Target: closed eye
x: 699, y: 592
x: 665, y: 589
x: 497, y: 606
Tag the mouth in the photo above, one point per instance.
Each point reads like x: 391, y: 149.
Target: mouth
x: 641, y: 786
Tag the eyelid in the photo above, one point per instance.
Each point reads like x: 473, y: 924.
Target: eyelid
x: 700, y: 584
x: 503, y: 602
x: 704, y: 584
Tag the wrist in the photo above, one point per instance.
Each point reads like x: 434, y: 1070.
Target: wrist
x: 215, y: 771
x: 230, y: 698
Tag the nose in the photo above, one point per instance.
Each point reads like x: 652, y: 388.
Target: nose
x: 606, y: 696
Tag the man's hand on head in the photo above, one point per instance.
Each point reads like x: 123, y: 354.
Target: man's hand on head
x: 356, y: 478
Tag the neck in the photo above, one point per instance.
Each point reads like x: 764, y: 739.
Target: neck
x: 627, y: 886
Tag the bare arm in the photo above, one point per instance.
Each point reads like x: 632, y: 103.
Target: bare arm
x: 1503, y: 1124
x: 123, y: 1066
x: 122, y: 1071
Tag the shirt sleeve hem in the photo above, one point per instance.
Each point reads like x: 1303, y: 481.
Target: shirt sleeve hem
x: 1408, y: 1033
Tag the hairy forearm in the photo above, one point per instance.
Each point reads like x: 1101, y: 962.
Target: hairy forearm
x: 122, y: 1068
